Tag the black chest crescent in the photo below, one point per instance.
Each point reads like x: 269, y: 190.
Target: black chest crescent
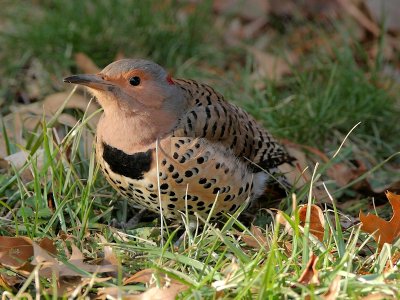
x: 129, y: 165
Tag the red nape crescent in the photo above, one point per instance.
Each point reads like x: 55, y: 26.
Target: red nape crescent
x: 169, y: 79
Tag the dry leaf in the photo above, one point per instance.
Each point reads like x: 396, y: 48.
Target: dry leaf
x: 257, y: 240
x: 393, y: 263
x: 86, y: 64
x: 50, y: 265
x: 352, y: 9
x: 333, y: 291
x: 307, y: 8
x: 228, y: 278
x: 10, y: 281
x: 143, y: 276
x: 146, y: 276
x: 317, y: 221
x: 282, y: 220
x: 109, y: 256
x: 248, y: 10
x: 343, y: 173
x: 297, y: 173
x: 18, y: 160
x: 67, y: 286
x: 378, y: 296
x: 385, y: 11
x: 4, y: 284
x: 155, y: 293
x: 77, y: 260
x: 383, y: 231
x: 271, y: 66
x: 29, y: 116
x: 15, y: 251
x: 310, y: 274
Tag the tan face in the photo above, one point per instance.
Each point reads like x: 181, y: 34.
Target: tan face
x: 129, y: 86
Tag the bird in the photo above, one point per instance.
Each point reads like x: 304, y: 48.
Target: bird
x: 176, y: 146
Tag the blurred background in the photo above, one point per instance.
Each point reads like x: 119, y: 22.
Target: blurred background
x: 309, y: 70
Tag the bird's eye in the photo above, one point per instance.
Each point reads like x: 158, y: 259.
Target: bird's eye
x: 135, y: 80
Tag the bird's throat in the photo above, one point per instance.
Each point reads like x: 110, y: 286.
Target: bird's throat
x: 132, y: 134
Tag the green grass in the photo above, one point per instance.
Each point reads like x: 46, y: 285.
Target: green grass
x: 208, y: 260
x: 323, y: 98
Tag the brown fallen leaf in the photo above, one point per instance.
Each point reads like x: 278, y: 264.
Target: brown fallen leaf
x: 310, y: 273
x: 228, y: 279
x: 343, y: 173
x: 315, y: 9
x: 333, y: 291
x: 269, y: 65
x: 146, y: 276
x: 165, y: 293
x: 142, y: 276
x: 352, y: 9
x: 257, y: 240
x: 297, y: 173
x: 86, y: 64
x: 109, y: 256
x: 15, y: 251
x: 386, y: 12
x: 27, y: 117
x: 391, y: 265
x: 383, y: 231
x: 17, y: 160
x: 66, y: 286
x: 4, y: 284
x: 154, y: 293
x: 317, y: 221
x: 379, y: 296
x: 248, y: 10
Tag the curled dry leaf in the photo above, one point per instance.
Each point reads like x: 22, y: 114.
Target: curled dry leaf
x: 67, y: 286
x: 333, y: 291
x: 383, y: 231
x: 86, y: 64
x: 297, y: 173
x: 257, y: 240
x: 166, y: 293
x: 310, y: 273
x: 17, y: 160
x: 147, y: 276
x: 27, y: 117
x: 109, y: 255
x: 15, y: 251
x: 353, y: 10
x: 229, y: 279
x: 142, y: 276
x: 379, y: 296
x: 317, y: 221
x: 154, y: 293
x: 248, y: 10
x: 386, y: 12
x: 393, y: 263
x: 343, y: 173
x: 271, y: 66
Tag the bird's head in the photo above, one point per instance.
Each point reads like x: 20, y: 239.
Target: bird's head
x: 132, y: 86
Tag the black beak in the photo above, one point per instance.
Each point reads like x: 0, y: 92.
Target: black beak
x: 90, y: 80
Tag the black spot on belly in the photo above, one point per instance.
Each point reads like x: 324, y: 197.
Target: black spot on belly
x: 130, y: 165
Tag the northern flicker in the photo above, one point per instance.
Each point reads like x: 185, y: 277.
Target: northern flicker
x: 177, y: 142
